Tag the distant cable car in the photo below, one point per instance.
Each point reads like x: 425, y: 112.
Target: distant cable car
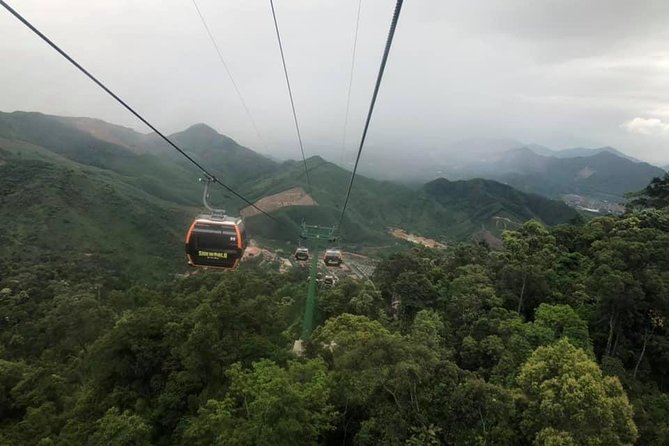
x: 328, y: 281
x: 332, y: 257
x: 215, y: 239
x: 302, y: 254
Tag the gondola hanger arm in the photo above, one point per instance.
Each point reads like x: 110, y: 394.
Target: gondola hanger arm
x: 205, y: 197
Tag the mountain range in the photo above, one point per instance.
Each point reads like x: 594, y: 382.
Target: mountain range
x: 599, y: 174
x: 578, y: 152
x: 603, y: 174
x: 83, y: 190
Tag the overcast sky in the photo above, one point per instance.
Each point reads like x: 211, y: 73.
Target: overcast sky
x: 560, y: 73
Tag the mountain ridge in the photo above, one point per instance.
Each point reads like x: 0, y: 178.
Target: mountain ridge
x: 166, y: 185
x: 580, y: 152
x: 603, y: 175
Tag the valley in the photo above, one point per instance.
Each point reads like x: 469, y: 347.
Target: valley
x: 449, y: 291
x: 132, y: 178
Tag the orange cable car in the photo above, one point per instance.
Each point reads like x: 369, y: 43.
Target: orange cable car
x: 216, y: 242
x: 215, y: 239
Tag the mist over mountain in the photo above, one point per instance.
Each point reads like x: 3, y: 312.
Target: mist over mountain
x: 112, y: 133
x: 603, y: 173
x: 453, y: 160
x: 578, y: 152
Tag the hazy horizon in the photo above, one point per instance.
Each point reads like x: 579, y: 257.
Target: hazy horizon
x: 564, y: 74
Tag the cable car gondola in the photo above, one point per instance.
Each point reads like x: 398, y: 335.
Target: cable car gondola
x: 332, y: 257
x: 302, y: 254
x: 215, y: 239
x: 328, y: 281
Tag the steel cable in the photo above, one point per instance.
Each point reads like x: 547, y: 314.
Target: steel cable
x: 384, y: 60
x: 232, y: 79
x: 129, y: 108
x: 350, y: 81
x: 290, y: 94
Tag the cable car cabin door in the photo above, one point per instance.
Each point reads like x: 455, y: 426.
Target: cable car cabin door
x: 214, y: 244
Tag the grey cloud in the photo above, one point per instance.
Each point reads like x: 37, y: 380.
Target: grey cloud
x: 577, y: 28
x: 556, y: 72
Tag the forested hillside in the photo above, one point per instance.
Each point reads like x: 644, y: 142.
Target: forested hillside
x: 462, y: 346
x: 557, y: 338
x: 84, y: 219
x: 37, y: 148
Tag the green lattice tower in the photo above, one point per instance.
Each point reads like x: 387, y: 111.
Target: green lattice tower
x: 317, y: 236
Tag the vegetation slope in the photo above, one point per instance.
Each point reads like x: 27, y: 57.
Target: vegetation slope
x: 139, y: 166
x: 559, y: 338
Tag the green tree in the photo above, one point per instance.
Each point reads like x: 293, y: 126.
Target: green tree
x: 569, y: 401
x: 128, y: 361
x: 481, y: 413
x: 630, y: 282
x: 414, y: 292
x: 120, y: 429
x: 655, y: 195
x: 526, y: 261
x: 350, y: 296
x: 651, y: 414
x: 74, y: 321
x: 552, y: 322
x: 384, y: 382
x: 471, y: 295
x: 268, y: 405
x: 11, y: 373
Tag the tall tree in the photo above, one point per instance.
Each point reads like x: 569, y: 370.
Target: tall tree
x: 384, y: 381
x: 526, y: 262
x: 569, y: 401
x: 120, y: 429
x: 268, y: 405
x: 655, y: 195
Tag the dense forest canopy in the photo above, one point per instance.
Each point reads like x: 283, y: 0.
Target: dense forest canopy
x: 559, y: 338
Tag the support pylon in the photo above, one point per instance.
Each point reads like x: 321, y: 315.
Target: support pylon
x: 317, y: 235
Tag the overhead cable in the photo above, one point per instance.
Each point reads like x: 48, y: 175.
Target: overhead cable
x: 127, y: 107
x: 290, y: 94
x: 384, y: 60
x: 227, y: 70
x: 350, y: 81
